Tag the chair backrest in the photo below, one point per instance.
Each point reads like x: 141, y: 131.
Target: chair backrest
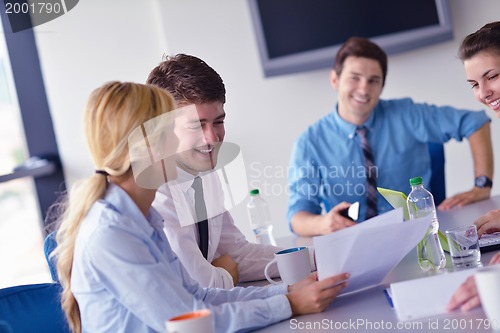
x: 437, y: 185
x: 33, y: 308
x: 4, y: 327
x: 49, y: 245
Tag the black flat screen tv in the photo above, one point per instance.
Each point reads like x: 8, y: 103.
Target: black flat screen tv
x: 301, y: 35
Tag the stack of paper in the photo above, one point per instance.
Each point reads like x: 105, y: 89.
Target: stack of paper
x: 368, y: 250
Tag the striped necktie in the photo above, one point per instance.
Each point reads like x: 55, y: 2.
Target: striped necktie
x: 371, y: 174
x: 201, y: 215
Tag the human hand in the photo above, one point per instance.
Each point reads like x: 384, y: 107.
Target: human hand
x: 488, y: 223
x: 465, y: 198
x: 496, y: 259
x: 311, y: 296
x: 225, y: 261
x: 333, y: 220
x: 466, y: 297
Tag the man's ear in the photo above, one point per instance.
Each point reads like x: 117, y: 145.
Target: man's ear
x: 334, y: 79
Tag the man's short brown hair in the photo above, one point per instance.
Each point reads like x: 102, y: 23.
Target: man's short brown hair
x: 189, y: 79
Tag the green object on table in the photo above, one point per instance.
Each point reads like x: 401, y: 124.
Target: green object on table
x: 398, y: 199
x: 444, y: 242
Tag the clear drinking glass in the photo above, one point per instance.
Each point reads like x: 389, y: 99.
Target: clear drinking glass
x: 464, y: 246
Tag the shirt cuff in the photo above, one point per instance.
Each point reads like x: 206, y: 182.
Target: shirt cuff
x: 226, y: 279
x: 302, y: 206
x: 279, y: 307
x: 280, y: 289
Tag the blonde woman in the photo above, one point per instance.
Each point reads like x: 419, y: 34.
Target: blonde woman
x: 117, y: 269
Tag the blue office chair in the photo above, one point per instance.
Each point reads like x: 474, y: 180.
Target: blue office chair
x: 437, y: 184
x: 4, y: 327
x: 49, y: 245
x: 34, y: 308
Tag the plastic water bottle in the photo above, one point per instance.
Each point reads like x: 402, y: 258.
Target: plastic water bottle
x: 260, y: 219
x: 420, y: 204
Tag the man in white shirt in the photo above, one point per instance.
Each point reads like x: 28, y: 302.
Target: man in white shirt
x: 230, y: 258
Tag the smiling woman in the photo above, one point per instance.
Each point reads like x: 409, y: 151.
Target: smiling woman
x: 480, y: 53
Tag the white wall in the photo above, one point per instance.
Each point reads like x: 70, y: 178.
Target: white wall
x: 97, y: 42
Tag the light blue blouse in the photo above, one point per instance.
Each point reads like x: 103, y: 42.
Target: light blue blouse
x: 126, y: 278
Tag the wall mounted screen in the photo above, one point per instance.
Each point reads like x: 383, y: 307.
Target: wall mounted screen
x: 301, y: 35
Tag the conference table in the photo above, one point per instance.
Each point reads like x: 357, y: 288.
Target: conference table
x: 369, y: 310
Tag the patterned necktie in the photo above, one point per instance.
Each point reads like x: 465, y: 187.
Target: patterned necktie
x: 371, y: 174
x: 201, y: 215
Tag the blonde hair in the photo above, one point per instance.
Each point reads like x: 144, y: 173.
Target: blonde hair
x: 111, y: 113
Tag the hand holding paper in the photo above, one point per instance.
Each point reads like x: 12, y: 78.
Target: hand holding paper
x: 369, y: 250
x: 426, y: 296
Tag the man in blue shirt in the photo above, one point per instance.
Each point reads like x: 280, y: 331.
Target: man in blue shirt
x: 331, y: 160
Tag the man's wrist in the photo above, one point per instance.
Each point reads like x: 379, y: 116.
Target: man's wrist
x: 483, y: 182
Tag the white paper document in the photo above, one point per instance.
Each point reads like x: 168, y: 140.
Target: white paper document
x: 369, y: 250
x: 428, y: 296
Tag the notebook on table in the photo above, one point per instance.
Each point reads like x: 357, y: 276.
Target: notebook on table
x: 487, y: 242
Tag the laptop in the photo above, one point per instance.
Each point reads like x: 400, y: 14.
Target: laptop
x: 487, y: 242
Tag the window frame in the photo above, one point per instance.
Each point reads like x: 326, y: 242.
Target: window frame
x: 35, y: 113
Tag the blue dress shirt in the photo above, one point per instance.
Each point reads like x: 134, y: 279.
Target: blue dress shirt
x: 126, y: 278
x: 327, y: 163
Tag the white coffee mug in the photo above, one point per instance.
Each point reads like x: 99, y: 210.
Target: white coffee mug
x: 293, y: 265
x: 199, y: 321
x: 488, y: 286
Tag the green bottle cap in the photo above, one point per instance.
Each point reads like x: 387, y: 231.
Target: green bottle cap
x: 416, y: 181
x: 254, y: 192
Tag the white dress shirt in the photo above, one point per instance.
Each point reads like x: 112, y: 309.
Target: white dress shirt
x: 175, y: 202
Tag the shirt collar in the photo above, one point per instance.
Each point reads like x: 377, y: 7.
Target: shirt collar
x: 185, y: 180
x: 122, y: 203
x: 348, y: 129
